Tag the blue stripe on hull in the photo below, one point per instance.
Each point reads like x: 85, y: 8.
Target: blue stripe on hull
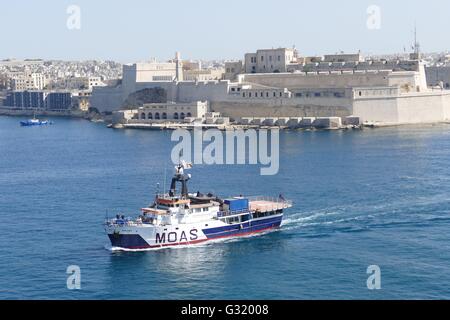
x: 247, y: 227
x: 132, y: 241
x: 127, y: 241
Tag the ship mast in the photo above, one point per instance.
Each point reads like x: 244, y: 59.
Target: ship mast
x: 416, y: 44
x: 182, y: 177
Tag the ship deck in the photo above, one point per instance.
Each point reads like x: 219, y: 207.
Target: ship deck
x: 266, y: 205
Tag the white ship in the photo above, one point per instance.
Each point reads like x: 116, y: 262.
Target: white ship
x: 188, y: 219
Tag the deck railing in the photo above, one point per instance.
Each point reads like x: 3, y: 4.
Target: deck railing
x: 271, y: 199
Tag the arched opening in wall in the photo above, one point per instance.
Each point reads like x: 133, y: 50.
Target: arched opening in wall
x: 143, y: 116
x: 175, y: 115
x: 157, y: 117
x: 182, y: 116
x: 164, y: 115
x: 150, y: 115
x: 189, y: 115
x: 276, y: 71
x: 447, y: 85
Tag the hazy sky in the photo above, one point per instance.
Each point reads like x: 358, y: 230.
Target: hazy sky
x: 134, y: 30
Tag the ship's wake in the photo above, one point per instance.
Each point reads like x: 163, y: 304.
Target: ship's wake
x: 356, y: 218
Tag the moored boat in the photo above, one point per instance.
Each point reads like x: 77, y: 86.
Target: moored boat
x: 34, y: 122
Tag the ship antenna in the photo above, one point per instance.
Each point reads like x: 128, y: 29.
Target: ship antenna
x: 416, y: 43
x: 165, y: 173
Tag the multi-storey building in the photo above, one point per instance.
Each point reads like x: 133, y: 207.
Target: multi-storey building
x: 27, y: 81
x: 232, y: 69
x: 270, y: 60
x: 39, y: 100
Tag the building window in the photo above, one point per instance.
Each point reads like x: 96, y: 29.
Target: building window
x: 157, y: 117
x: 175, y: 115
x: 164, y: 115
x: 189, y: 115
x: 262, y: 58
x: 150, y: 115
x: 143, y: 116
x: 182, y: 116
x: 243, y: 94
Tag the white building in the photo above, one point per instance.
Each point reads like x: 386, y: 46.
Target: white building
x: 95, y: 82
x: 154, y: 71
x: 27, y: 81
x: 155, y: 112
x: 270, y: 60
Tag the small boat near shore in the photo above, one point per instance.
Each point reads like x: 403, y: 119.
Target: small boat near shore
x: 34, y: 122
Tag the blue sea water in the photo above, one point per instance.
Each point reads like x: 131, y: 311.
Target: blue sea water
x: 372, y: 197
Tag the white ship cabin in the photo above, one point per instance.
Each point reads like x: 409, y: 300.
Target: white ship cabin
x: 169, y: 210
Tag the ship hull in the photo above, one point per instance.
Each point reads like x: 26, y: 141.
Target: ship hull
x: 153, y: 237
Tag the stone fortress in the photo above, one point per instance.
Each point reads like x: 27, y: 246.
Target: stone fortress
x: 279, y: 84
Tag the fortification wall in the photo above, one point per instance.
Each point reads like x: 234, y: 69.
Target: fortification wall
x: 405, y: 108
x: 383, y: 110
x: 106, y: 98
x: 201, y: 91
x: 111, y: 99
x: 424, y: 108
x: 281, y: 108
x: 299, y: 80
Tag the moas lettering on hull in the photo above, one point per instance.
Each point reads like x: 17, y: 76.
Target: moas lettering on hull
x: 183, y: 218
